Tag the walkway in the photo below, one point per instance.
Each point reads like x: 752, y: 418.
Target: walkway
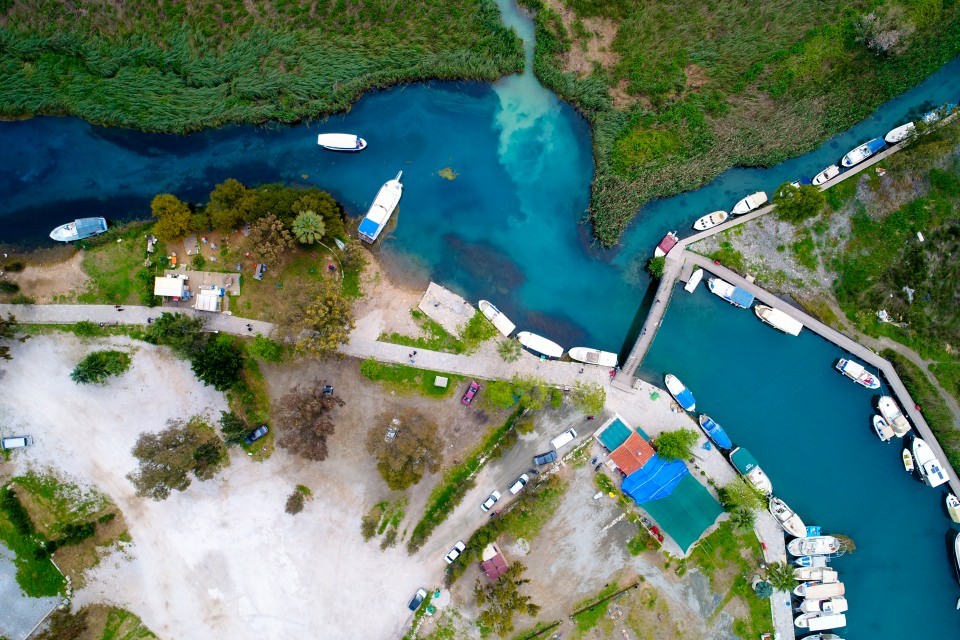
x: 774, y: 545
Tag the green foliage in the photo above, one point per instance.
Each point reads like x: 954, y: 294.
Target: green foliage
x: 8, y: 331
x: 182, y: 333
x: 797, y: 204
x: 9, y: 287
x: 230, y: 204
x: 477, y: 331
x: 198, y: 262
x: 591, y: 612
x: 174, y: 219
x: 742, y: 519
x: 676, y: 445
x: 656, y: 265
x: 267, y: 349
x: 115, y: 263
x: 233, y: 428
x: 780, y: 576
x: 295, y: 502
x: 763, y: 590
x: 308, y: 227
x: 509, y: 350
x: 729, y: 257
x: 326, y: 322
x: 435, y: 337
x: 36, y: 574
x: 167, y: 459
x: 402, y: 378
x: 804, y: 250
x: 738, y: 494
x: 220, y: 362
x: 588, y: 398
x: 502, y: 600
x: 413, y: 451
x: 96, y: 367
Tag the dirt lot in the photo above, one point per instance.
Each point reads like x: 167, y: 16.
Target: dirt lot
x: 45, y: 280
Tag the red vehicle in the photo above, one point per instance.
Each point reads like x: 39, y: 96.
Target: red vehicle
x: 471, y: 392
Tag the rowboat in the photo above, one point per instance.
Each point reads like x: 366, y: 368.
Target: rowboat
x: 593, y: 356
x: 680, y: 393
x: 494, y: 315
x: 540, y: 345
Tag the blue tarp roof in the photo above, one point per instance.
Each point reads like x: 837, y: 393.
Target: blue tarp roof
x: 657, y: 479
x: 368, y: 227
x: 614, y: 435
x: 742, y: 297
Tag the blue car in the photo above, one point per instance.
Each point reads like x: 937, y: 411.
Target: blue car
x: 256, y: 434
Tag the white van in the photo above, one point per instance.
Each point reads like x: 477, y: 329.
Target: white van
x: 563, y: 439
x: 16, y: 442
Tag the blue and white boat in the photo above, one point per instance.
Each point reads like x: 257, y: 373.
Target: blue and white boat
x: 734, y: 295
x: 864, y: 151
x: 79, y: 229
x: 679, y: 392
x: 856, y: 372
x: 715, y: 432
x: 380, y: 211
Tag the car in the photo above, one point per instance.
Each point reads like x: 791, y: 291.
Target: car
x: 256, y: 434
x: 392, y: 430
x: 519, y: 484
x: 16, y: 442
x: 489, y: 502
x: 455, y: 552
x: 545, y: 458
x: 471, y: 391
x: 417, y: 599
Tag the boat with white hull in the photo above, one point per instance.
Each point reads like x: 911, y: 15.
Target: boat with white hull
x: 883, y: 430
x: 787, y: 518
x: 779, y: 320
x: 495, y: 316
x: 711, y: 220
x: 953, y: 507
x: 956, y: 554
x: 734, y: 295
x: 593, y: 356
x: 893, y: 416
x: 380, y: 211
x: 811, y: 562
x: 824, y: 605
x: 812, y: 590
x: 715, y: 432
x: 856, y: 372
x: 79, y: 229
x: 680, y: 393
x: 820, y: 621
x: 861, y: 153
x: 694, y: 280
x: 908, y: 461
x: 539, y: 344
x: 341, y: 142
x: 744, y: 462
x: 826, y: 175
x: 748, y: 204
x: 931, y: 470
x: 823, y: 636
x: 816, y: 574
x: 668, y: 242
x: 901, y: 133
x: 814, y: 546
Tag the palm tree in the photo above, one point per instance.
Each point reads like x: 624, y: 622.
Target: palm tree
x: 780, y: 575
x: 742, y: 519
x: 308, y: 227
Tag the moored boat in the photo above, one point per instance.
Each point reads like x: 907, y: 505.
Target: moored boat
x: 680, y: 393
x: 748, y: 204
x: 694, y: 280
x: 861, y: 153
x: 778, y: 319
x: 593, y: 356
x: 539, y: 344
x: 956, y: 554
x: 715, y: 432
x: 787, y: 518
x: 883, y: 430
x: 856, y: 372
x: 891, y: 413
x: 826, y: 175
x: 818, y: 590
x: 817, y: 574
x: 901, y: 133
x: 931, y: 470
x: 819, y: 621
x: 380, y: 211
x: 668, y: 242
x: 939, y: 112
x: 811, y: 562
x: 825, y: 605
x: 814, y: 546
x: 79, y: 229
x: 744, y: 462
x: 953, y: 507
x: 711, y: 220
x: 823, y: 636
x: 908, y: 461
x: 734, y: 295
x: 341, y: 142
x: 494, y: 315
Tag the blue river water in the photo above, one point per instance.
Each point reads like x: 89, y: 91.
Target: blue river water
x: 507, y: 228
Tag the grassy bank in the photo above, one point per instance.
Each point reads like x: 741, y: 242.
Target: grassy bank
x: 679, y: 91
x: 178, y: 66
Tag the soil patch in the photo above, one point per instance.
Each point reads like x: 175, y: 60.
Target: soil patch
x: 58, y: 281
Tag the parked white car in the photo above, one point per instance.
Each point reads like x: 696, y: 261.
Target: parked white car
x: 489, y: 502
x: 455, y: 552
x: 519, y: 484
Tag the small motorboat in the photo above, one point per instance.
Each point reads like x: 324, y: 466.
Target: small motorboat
x: 812, y: 590
x: 341, y: 142
x: 823, y: 636
x: 744, y: 462
x: 820, y: 621
x: 79, y: 229
x: 748, y: 204
x: 593, y: 356
x: 787, y: 517
x: 711, y: 220
x: 694, y: 280
x: 908, y: 460
x: 883, y: 430
x: 893, y: 416
x: 816, y: 574
x: 956, y: 555
x: 734, y: 295
x: 539, y: 344
x: 953, y: 507
x: 930, y: 468
x: 811, y: 562
x: 716, y: 433
x: 668, y: 242
x: 900, y: 133
x: 864, y: 151
x: 495, y: 316
x: 856, y: 372
x: 837, y: 604
x: 680, y: 393
x: 814, y: 546
x: 384, y: 204
x: 779, y: 320
x: 826, y: 175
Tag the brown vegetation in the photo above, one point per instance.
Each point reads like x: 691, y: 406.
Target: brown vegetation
x: 305, y: 421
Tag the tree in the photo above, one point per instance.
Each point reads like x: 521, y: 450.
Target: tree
x: 656, y: 266
x: 323, y: 204
x: 738, y: 493
x: 414, y: 450
x: 268, y: 238
x: 173, y: 217
x: 885, y: 30
x: 295, y: 502
x: 8, y: 331
x: 588, y: 398
x: 676, y: 445
x: 796, y: 204
x: 308, y: 227
x: 509, y: 350
x: 233, y: 428
x: 354, y: 254
x: 170, y: 457
x: 743, y: 519
x: 305, y: 421
x: 96, y: 367
x: 503, y: 600
x: 327, y: 321
x: 64, y: 625
x: 219, y: 364
x: 230, y: 204
x: 183, y: 334
x: 780, y: 576
x: 763, y: 589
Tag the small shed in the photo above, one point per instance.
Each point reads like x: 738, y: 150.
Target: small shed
x: 169, y: 287
x: 493, y: 564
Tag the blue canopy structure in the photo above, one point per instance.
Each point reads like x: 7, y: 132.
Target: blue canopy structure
x: 657, y: 479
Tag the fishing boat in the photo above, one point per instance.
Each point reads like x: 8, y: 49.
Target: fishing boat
x: 694, y: 280
x: 826, y: 175
x: 680, y: 393
x: 811, y: 562
x: 787, y: 517
x: 814, y: 546
x: 79, y: 229
x: 715, y: 432
x: 825, y: 605
x: 883, y: 430
x: 540, y: 345
x: 908, y: 461
x: 669, y: 242
x: 593, y: 356
x: 819, y: 590
x: 744, y: 462
x: 956, y: 554
x: 953, y: 507
x: 901, y: 133
x: 380, y: 211
x: 778, y: 319
x: 864, y: 151
x: 856, y: 372
x: 495, y: 316
x: 820, y: 621
x: 891, y: 413
x: 817, y: 574
x: 341, y: 142
x: 748, y: 204
x: 931, y: 470
x: 711, y: 220
x: 734, y: 295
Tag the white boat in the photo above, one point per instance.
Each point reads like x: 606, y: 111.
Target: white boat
x: 778, y: 319
x: 856, y: 372
x: 826, y: 175
x: 900, y: 133
x: 817, y: 590
x: 787, y: 518
x: 734, y: 295
x: 891, y: 413
x: 593, y: 356
x: 680, y: 393
x: 341, y: 142
x: 883, y: 430
x: 668, y: 242
x: 861, y: 153
x: 751, y: 202
x: 540, y: 344
x: 820, y: 621
x: 908, y: 461
x: 711, y: 220
x: 823, y: 636
x: 380, y: 211
x: 939, y: 112
x: 694, y: 280
x: 744, y: 462
x: 953, y: 507
x: 813, y: 562
x: 494, y: 315
x: 79, y: 229
x: 824, y: 605
x: 956, y: 555
x: 931, y: 471
x: 814, y: 546
x: 817, y: 574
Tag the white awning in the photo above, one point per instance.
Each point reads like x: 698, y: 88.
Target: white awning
x: 168, y: 287
x: 208, y: 300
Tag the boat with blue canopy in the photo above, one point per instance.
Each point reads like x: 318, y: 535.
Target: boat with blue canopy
x: 680, y: 393
x: 715, y: 432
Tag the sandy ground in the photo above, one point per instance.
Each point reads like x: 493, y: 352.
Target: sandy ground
x: 43, y: 281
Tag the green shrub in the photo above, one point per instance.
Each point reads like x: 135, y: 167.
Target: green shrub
x: 96, y: 367
x: 220, y: 363
x: 9, y: 287
x: 267, y: 349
